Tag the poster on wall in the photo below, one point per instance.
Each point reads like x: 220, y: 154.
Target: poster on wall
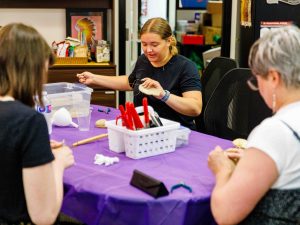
x: 265, y: 26
x: 87, y: 25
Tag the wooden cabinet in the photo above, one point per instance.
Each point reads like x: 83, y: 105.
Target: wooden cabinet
x: 56, y: 4
x: 67, y: 73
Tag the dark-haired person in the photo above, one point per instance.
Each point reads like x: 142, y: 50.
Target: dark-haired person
x: 264, y: 186
x: 175, y: 77
x: 31, y: 173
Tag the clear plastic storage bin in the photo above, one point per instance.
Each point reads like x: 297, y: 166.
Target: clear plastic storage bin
x: 74, y: 97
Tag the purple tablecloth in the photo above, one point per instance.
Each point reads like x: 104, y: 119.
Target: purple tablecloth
x: 102, y: 195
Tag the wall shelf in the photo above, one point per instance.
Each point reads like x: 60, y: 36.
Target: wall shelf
x: 67, y: 72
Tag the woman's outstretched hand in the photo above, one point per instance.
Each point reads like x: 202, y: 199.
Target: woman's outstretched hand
x: 86, y: 78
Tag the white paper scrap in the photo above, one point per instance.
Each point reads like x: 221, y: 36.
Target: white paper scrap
x: 100, y: 159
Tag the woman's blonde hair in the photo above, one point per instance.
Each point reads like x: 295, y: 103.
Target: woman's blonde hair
x: 161, y: 27
x: 23, y: 57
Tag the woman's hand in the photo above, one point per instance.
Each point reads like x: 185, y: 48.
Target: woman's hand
x: 219, y: 162
x: 63, y: 156
x: 234, y: 154
x: 149, y: 83
x: 56, y: 144
x: 86, y: 78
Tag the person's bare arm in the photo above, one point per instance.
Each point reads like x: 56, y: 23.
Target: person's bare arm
x: 120, y: 83
x: 43, y: 187
x: 189, y: 104
x: 235, y: 195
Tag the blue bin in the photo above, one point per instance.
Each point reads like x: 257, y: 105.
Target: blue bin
x: 194, y: 3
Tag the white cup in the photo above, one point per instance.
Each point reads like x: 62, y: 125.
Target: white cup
x: 84, y: 119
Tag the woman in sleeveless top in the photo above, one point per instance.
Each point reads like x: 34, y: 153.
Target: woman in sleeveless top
x: 264, y: 186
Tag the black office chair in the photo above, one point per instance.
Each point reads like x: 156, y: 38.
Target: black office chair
x: 210, y: 78
x: 233, y: 109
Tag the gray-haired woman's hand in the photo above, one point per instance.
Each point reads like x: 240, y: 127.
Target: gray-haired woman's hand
x: 219, y: 162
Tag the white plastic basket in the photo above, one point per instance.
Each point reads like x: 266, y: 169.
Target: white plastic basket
x: 143, y: 143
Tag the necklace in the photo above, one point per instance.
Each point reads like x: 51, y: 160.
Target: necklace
x: 6, y: 98
x: 163, y: 62
x: 166, y: 61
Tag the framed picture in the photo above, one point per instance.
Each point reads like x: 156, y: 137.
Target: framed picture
x: 87, y: 25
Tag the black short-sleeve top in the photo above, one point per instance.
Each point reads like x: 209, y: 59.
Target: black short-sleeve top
x: 24, y: 142
x: 179, y: 75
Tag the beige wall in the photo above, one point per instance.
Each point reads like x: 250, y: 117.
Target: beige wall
x: 51, y: 23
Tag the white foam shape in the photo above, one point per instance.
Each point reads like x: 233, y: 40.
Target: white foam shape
x: 105, y: 160
x: 63, y: 118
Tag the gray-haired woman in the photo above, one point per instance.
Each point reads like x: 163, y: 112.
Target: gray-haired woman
x: 264, y: 186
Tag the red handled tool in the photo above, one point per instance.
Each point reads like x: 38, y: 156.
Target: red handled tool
x: 129, y: 115
x: 124, y: 117
x: 146, y: 112
x: 135, y: 116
